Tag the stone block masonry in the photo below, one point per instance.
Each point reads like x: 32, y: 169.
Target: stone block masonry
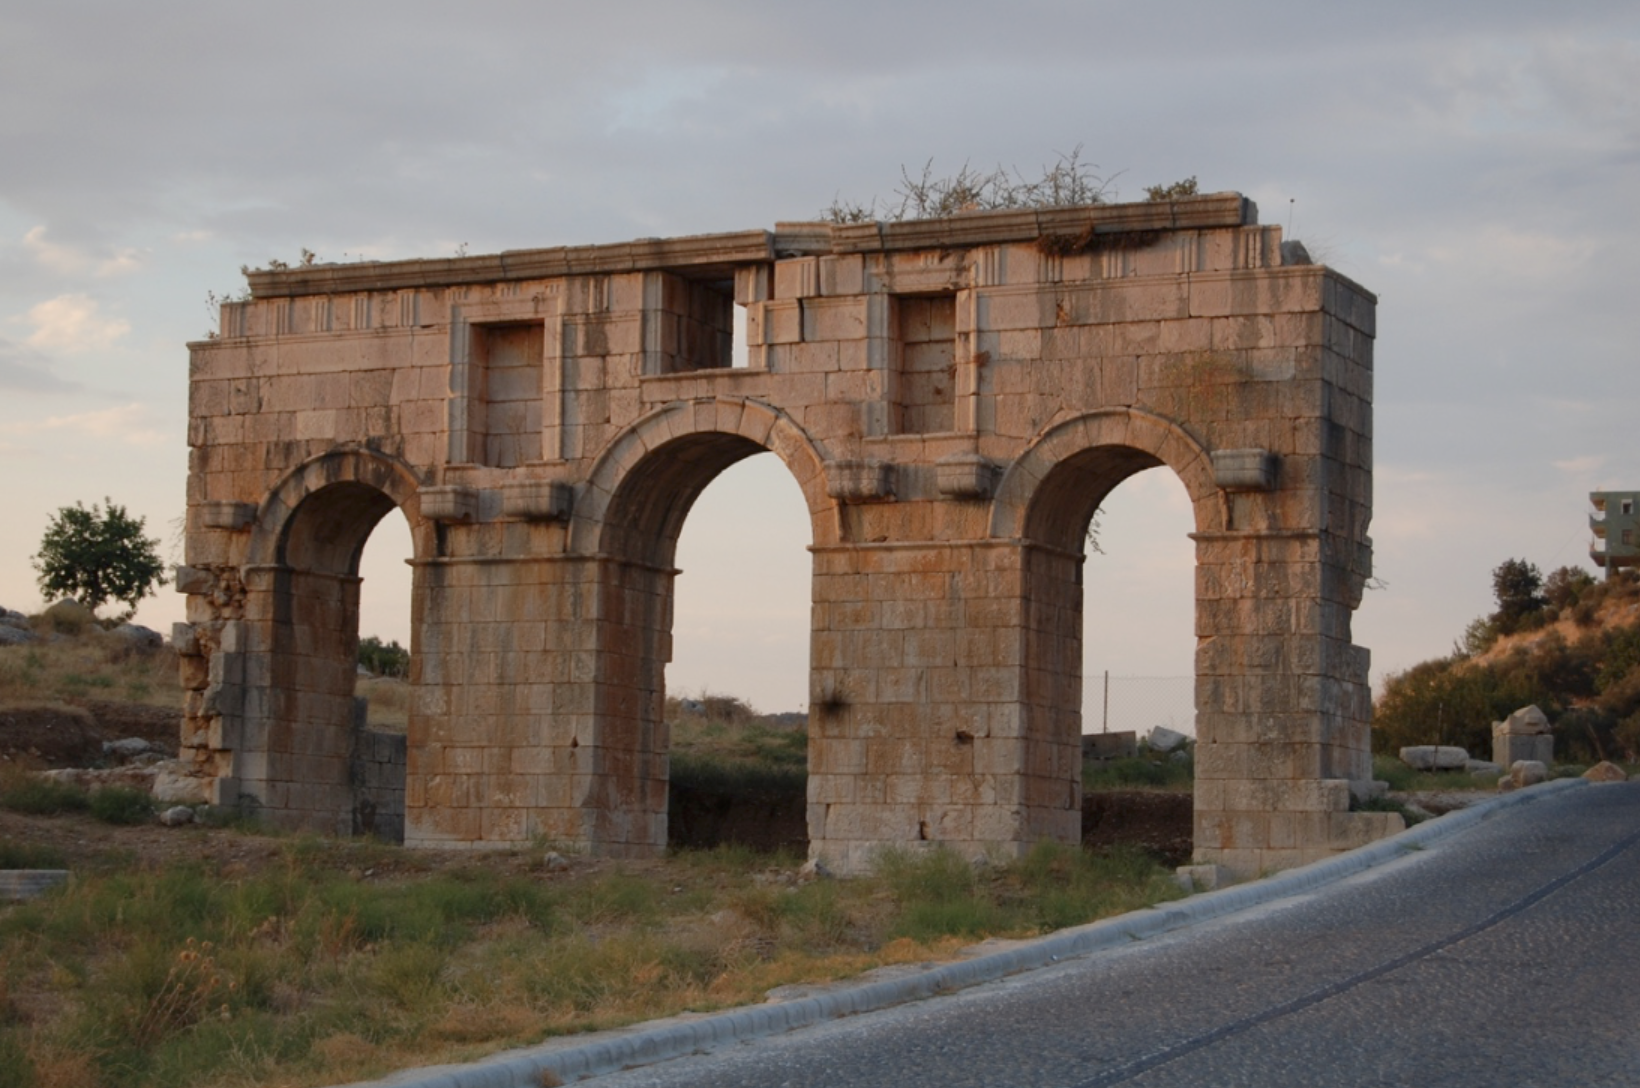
x: 954, y: 398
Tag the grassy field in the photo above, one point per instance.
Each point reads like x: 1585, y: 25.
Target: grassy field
x: 229, y: 956
x: 329, y: 961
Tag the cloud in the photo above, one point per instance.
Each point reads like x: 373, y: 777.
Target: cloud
x: 125, y: 423
x: 71, y: 323
x: 24, y: 371
x: 68, y: 261
x: 1581, y: 465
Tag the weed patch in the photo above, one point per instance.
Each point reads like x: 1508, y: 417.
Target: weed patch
x: 35, y: 796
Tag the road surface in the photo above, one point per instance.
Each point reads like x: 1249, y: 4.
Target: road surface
x: 1508, y: 954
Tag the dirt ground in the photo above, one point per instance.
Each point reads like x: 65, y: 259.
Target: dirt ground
x: 1157, y: 821
x: 72, y: 735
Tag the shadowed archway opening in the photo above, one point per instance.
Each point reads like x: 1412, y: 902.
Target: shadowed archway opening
x: 644, y: 524
x: 322, y: 768
x: 1056, y: 528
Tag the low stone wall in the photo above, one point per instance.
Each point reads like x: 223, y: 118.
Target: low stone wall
x: 376, y: 772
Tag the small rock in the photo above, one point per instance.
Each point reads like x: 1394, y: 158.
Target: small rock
x: 814, y: 869
x: 1483, y: 766
x: 1606, y: 771
x: 176, y: 816
x: 15, y: 636
x: 554, y: 862
x: 126, y: 747
x: 1528, y: 772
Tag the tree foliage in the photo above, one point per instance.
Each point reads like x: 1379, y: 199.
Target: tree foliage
x: 97, y: 555
x: 1518, y: 587
x: 384, y: 658
x: 1588, y: 685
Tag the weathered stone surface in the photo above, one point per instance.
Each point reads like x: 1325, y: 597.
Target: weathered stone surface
x: 1527, y: 772
x: 1606, y: 771
x: 1430, y: 757
x: 177, y: 816
x: 176, y: 784
x: 1162, y: 739
x: 952, y: 399
x: 1528, y: 721
x: 1482, y: 766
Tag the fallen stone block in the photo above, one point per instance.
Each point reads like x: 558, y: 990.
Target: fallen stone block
x: 1430, y: 757
x: 21, y: 884
x: 1163, y: 739
x: 1528, y: 772
x: 1606, y: 771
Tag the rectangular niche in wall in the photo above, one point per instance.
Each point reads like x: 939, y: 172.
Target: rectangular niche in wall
x: 688, y: 323
x: 928, y: 342
x: 504, y: 425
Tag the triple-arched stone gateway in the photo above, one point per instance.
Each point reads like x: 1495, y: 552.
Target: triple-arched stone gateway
x: 954, y: 397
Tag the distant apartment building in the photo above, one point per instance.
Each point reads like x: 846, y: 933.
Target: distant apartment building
x: 1617, y: 527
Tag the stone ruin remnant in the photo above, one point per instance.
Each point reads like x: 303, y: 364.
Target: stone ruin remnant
x: 1525, y: 734
x: 953, y: 397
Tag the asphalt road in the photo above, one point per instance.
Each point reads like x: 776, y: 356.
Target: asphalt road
x: 1508, y: 954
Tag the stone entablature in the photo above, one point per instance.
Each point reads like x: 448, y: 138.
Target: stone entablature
x: 953, y: 397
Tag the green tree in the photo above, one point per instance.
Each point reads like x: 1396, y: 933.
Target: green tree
x: 1518, y: 586
x: 96, y: 556
x: 384, y: 658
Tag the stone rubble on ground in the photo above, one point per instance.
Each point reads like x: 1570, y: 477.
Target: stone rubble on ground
x: 1606, y: 771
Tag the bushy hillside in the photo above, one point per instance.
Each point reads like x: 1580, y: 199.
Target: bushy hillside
x: 1567, y: 643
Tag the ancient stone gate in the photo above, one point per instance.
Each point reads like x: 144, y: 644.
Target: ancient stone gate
x: 954, y: 398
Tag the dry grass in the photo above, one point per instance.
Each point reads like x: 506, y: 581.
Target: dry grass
x: 310, y: 971
x: 389, y: 702
x: 95, y: 665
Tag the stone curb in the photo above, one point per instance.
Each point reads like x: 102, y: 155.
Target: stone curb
x: 523, y: 1068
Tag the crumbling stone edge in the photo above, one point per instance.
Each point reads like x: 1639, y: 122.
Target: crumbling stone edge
x: 523, y: 1068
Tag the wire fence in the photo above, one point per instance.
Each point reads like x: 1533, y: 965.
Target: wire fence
x: 1117, y: 704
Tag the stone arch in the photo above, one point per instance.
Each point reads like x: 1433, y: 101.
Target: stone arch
x: 1102, y: 448
x: 635, y: 502
x: 349, y: 485
x: 1046, y: 501
x: 706, y: 437
x: 301, y: 740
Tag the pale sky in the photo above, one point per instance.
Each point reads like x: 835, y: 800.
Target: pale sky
x: 1475, y: 164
